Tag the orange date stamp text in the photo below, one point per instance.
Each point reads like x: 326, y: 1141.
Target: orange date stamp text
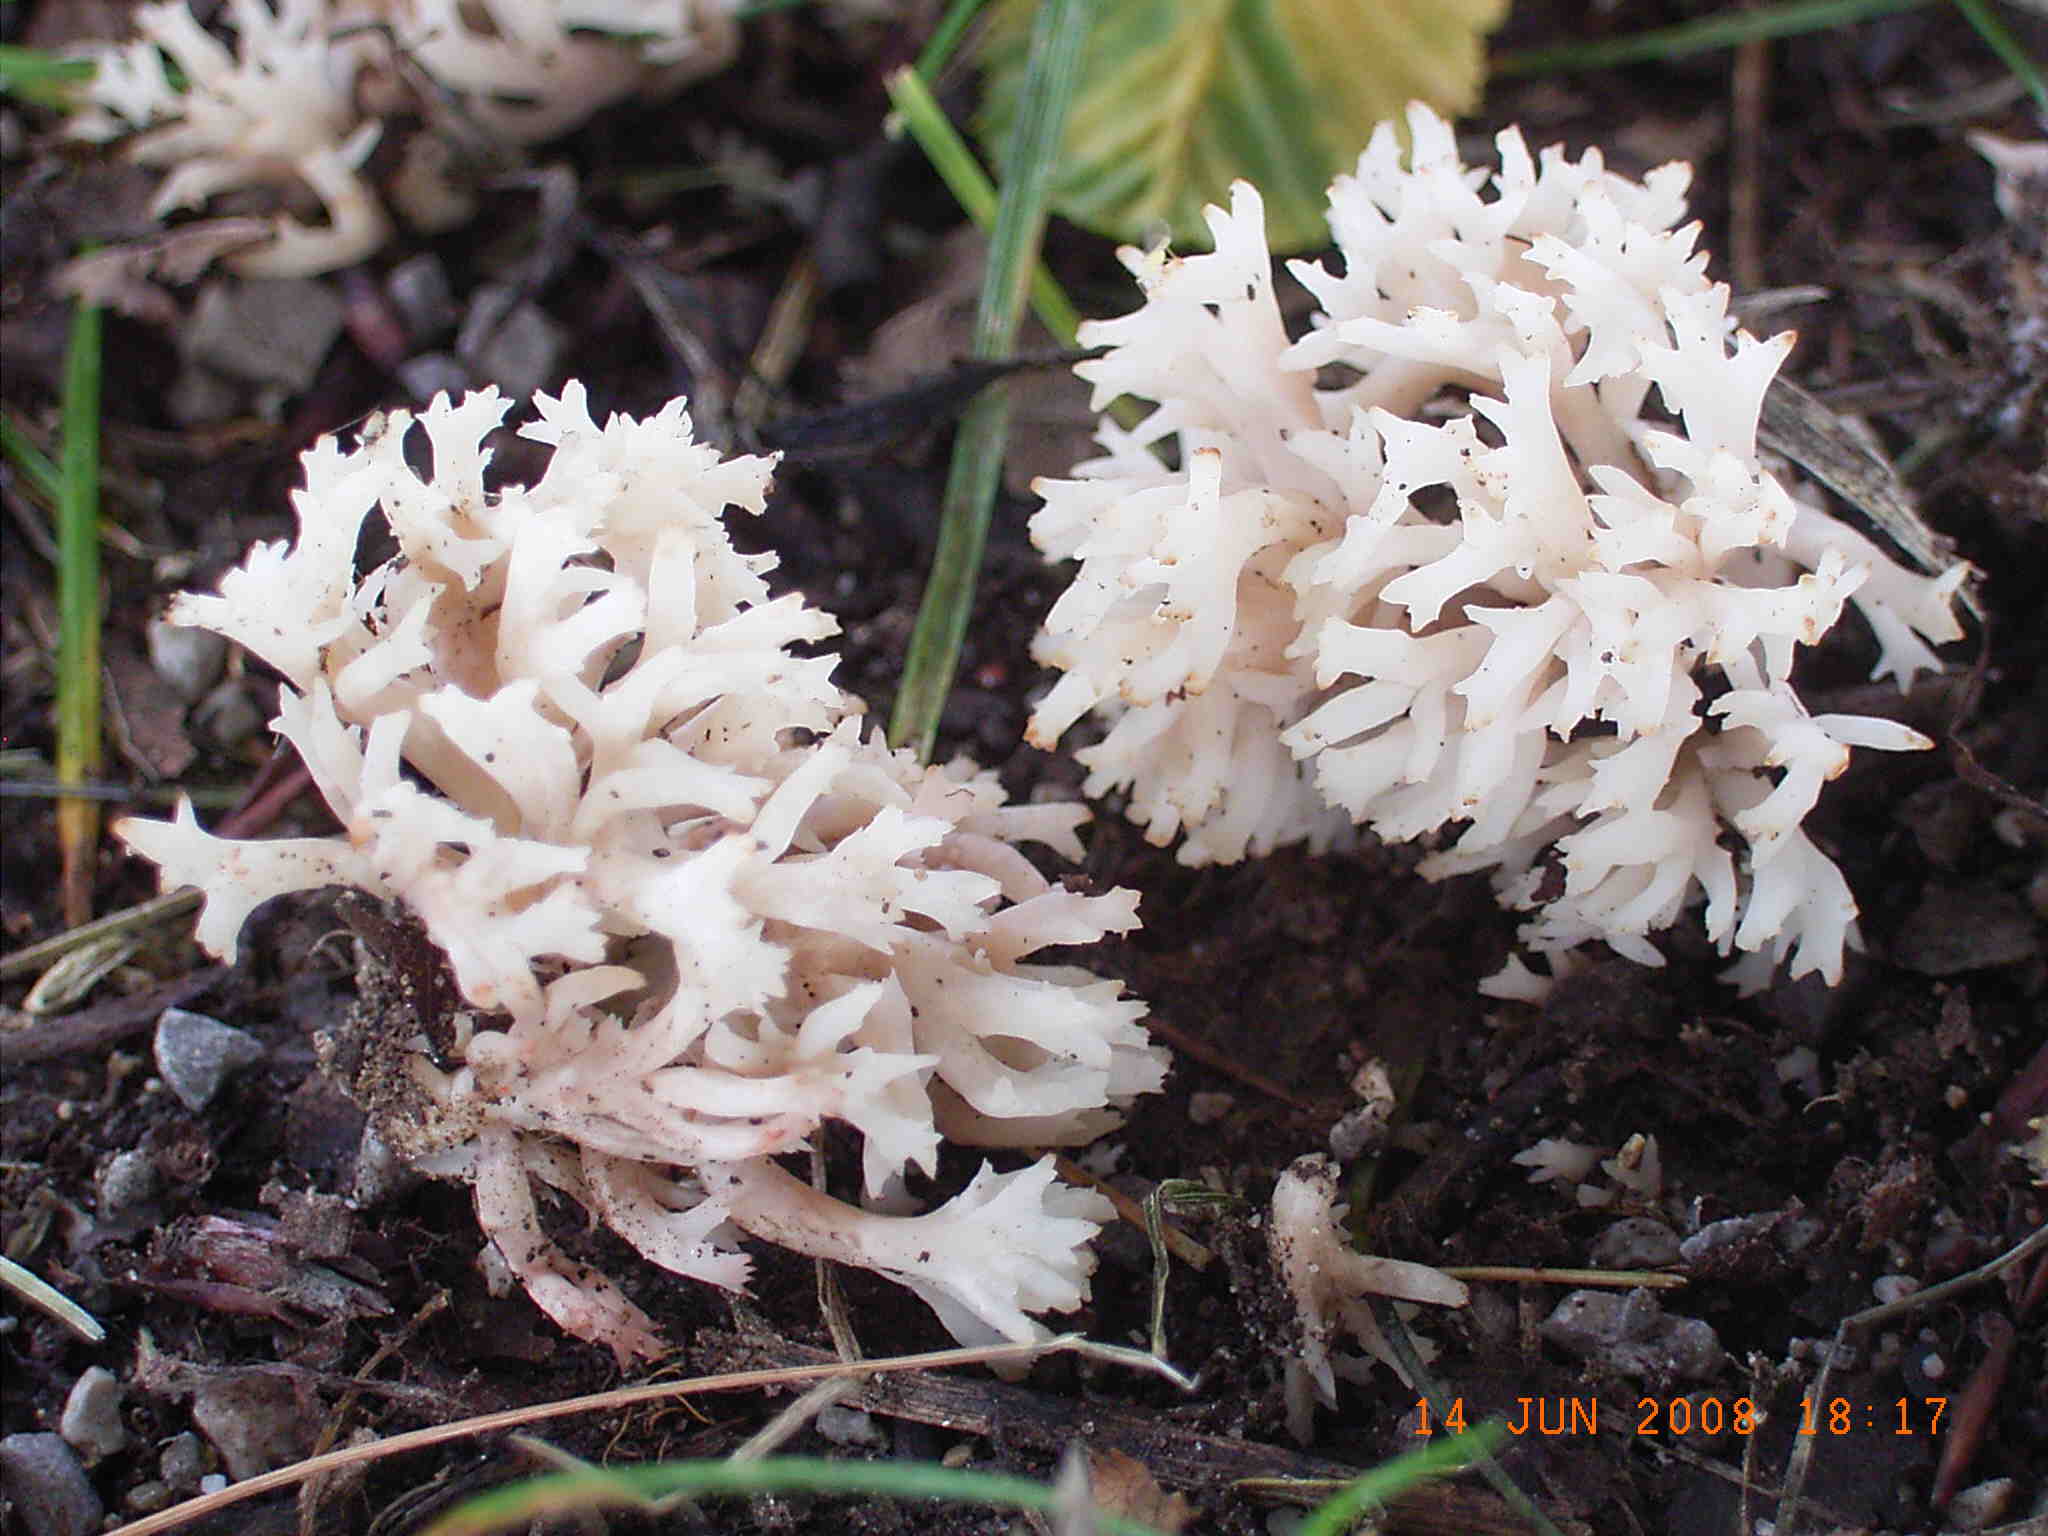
x: 1698, y: 1413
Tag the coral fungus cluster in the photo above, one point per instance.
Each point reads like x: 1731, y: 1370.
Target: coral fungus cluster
x: 698, y: 911
x: 1490, y: 549
x: 308, y: 88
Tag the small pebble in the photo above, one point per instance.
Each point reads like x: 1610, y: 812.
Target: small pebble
x: 228, y: 716
x: 1800, y: 1065
x: 199, y: 396
x: 1210, y: 1108
x: 128, y: 1182
x: 252, y: 1419
x: 91, y: 1423
x: 1632, y: 1336
x: 196, y: 1054
x: 431, y: 373
x: 270, y: 332
x: 379, y: 1172
x: 47, y: 1487
x: 319, y: 1226
x: 419, y: 289
x: 1717, y: 1235
x: 850, y: 1426
x: 1890, y: 1288
x: 1635, y: 1242
x: 1982, y: 1506
x: 1585, y: 1321
x: 146, y: 1498
x: 189, y: 661
x: 508, y: 341
x: 183, y: 1462
x: 1797, y: 1234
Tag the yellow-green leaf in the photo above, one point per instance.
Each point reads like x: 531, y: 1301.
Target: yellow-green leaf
x: 1178, y: 98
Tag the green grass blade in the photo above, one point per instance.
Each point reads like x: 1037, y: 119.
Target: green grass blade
x: 1383, y: 1484
x: 641, y: 1487
x: 971, y: 188
x: 945, y: 39
x: 44, y: 79
x: 1723, y: 29
x: 1993, y: 30
x: 1409, y: 1361
x: 941, y: 630
x: 34, y: 464
x: 34, y: 1289
x: 78, y: 610
x: 1054, y: 71
x: 935, y: 643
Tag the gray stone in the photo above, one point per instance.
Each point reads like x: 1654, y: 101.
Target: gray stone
x: 146, y: 1498
x: 196, y: 1054
x: 433, y: 373
x: 421, y: 293
x: 319, y: 1226
x: 183, y: 1462
x: 1981, y: 1506
x: 1587, y: 1321
x: 91, y: 1424
x: 1632, y: 1336
x: 509, y: 342
x: 850, y: 1426
x: 47, y: 1487
x: 1635, y: 1242
x: 270, y: 332
x: 128, y: 1182
x: 228, y: 716
x: 1796, y: 1234
x: 1729, y: 1232
x: 199, y: 397
x: 253, y: 1420
x: 380, y: 1171
x: 188, y: 660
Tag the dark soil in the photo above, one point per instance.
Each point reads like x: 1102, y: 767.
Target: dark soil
x: 248, y: 1270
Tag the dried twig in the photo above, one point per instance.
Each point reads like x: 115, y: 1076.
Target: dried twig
x: 605, y: 1402
x: 1802, y: 1451
x: 104, y: 1024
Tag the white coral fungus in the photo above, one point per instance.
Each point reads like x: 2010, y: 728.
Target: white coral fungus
x: 302, y: 98
x: 1490, y: 547
x: 1329, y: 1282
x: 699, y: 910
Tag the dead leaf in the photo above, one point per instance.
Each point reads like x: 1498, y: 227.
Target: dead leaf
x: 1051, y: 427
x: 128, y: 278
x: 1124, y: 1488
x: 147, y: 718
